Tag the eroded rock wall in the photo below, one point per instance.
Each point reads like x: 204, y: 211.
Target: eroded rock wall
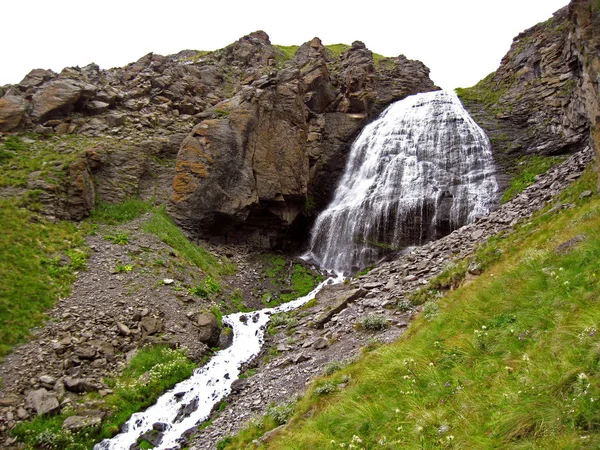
x: 543, y: 99
x: 266, y: 160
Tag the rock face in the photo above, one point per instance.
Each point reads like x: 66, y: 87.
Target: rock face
x: 262, y: 133
x: 585, y: 19
x: 269, y: 157
x: 543, y: 99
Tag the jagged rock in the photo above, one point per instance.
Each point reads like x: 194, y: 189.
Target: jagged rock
x: 47, y: 381
x: 78, y: 423
x: 225, y: 338
x: 341, y: 303
x: 42, y: 401
x: 56, y: 96
x: 85, y: 352
x: 540, y: 86
x: 300, y: 358
x: 123, y: 329
x: 12, y: 111
x: 321, y: 343
x: 239, y: 385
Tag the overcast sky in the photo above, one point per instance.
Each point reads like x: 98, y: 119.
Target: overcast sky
x: 461, y: 41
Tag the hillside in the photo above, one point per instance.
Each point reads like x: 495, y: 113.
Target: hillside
x: 141, y: 205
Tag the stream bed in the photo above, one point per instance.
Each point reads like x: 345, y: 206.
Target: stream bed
x: 190, y: 402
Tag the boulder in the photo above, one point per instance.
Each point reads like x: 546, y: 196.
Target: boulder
x: 12, y: 111
x: 151, y: 325
x: 56, y: 97
x: 10, y: 400
x: 80, y: 385
x: 208, y: 329
x: 42, y: 401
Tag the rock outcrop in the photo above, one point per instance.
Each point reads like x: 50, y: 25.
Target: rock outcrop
x: 543, y: 99
x: 265, y: 160
x: 262, y: 130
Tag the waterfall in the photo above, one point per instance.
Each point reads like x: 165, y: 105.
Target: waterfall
x: 421, y: 170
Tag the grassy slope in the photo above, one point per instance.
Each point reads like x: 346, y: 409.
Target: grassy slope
x: 511, y: 360
x: 31, y: 271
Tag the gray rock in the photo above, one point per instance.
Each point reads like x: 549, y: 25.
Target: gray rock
x: 77, y: 423
x: 321, y: 343
x: 123, y: 329
x: 152, y: 325
x: 80, y: 385
x: 42, y: 401
x: 85, y: 352
x: 208, y: 329
x: 300, y: 358
x: 477, y: 234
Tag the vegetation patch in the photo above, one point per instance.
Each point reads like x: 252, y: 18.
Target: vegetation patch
x: 509, y: 360
x: 527, y: 167
x: 115, y: 214
x: 150, y: 372
x: 161, y: 225
x: 39, y: 261
x: 487, y: 92
x: 294, y: 279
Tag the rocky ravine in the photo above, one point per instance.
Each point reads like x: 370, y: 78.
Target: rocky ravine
x: 327, y: 332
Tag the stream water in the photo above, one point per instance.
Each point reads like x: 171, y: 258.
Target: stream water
x: 190, y: 402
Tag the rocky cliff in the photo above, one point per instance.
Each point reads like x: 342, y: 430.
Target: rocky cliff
x: 260, y: 132
x: 543, y: 98
x: 268, y: 157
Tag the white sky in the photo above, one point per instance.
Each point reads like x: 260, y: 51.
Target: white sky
x: 461, y: 41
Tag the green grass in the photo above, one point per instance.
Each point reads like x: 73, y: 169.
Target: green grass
x: 163, y: 227
x: 115, y: 214
x: 32, y: 273
x: 510, y: 360
x: 527, y: 167
x: 296, y: 277
x: 49, y: 159
x: 150, y: 372
x: 336, y: 50
x: 486, y: 92
x: 286, y: 52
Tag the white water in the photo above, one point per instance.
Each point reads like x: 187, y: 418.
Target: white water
x: 421, y: 170
x: 209, y: 384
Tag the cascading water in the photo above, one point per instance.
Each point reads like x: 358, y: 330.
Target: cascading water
x: 421, y: 170
x: 190, y: 402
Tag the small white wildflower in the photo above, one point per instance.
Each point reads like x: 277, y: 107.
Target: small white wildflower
x: 397, y: 411
x: 525, y: 357
x: 483, y: 327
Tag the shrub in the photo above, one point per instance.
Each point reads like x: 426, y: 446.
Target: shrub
x: 325, y: 389
x: 281, y: 413
x: 374, y: 322
x: 118, y: 238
